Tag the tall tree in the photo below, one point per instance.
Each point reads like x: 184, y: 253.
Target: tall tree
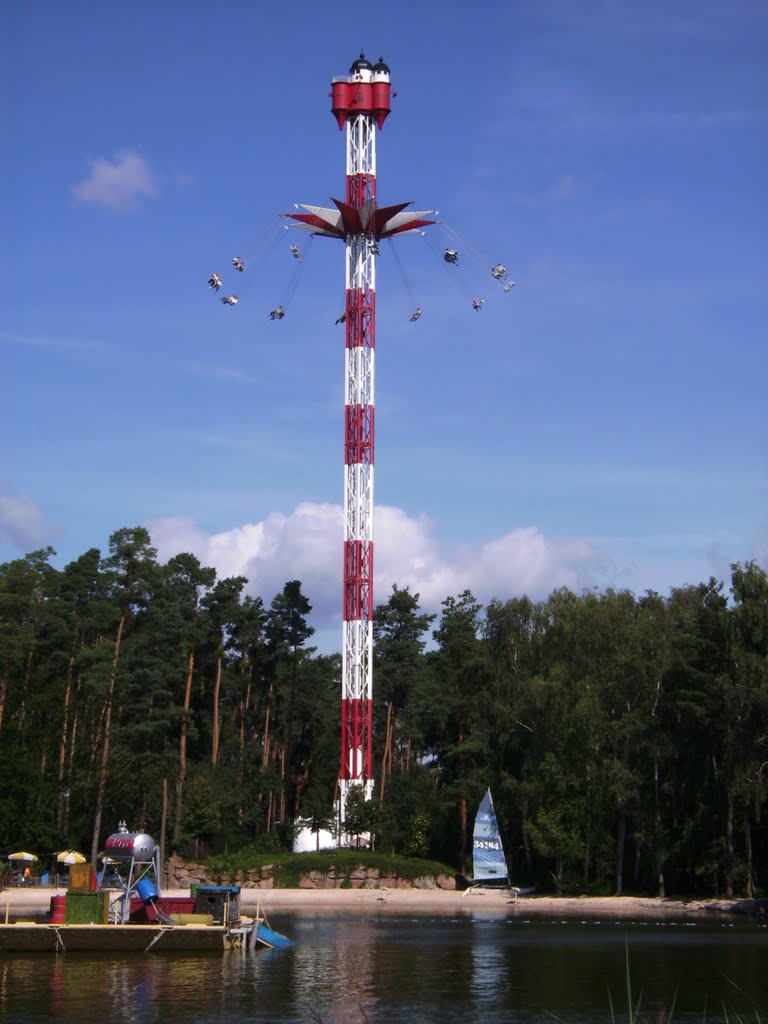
x: 745, y: 751
x: 131, y: 570
x: 461, y: 676
x: 83, y: 600
x: 223, y: 605
x: 249, y: 645
x: 287, y: 632
x: 399, y: 639
x: 24, y: 590
x: 512, y: 635
x: 188, y: 581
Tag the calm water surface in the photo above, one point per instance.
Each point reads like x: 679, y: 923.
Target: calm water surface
x: 412, y: 970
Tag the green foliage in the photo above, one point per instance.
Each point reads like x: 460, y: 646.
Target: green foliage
x: 361, y: 814
x: 416, y: 843
x: 202, y: 812
x: 623, y: 738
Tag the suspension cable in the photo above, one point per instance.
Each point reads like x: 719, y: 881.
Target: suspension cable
x: 401, y: 268
x: 297, y: 272
x: 455, y: 271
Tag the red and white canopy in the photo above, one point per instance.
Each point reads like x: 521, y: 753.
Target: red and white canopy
x: 381, y: 222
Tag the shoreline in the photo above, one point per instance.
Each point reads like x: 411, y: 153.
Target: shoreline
x: 36, y: 901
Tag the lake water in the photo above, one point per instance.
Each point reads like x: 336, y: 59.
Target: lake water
x: 494, y: 969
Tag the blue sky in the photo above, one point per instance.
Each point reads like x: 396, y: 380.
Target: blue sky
x: 603, y: 424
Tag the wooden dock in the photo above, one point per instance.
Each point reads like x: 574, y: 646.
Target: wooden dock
x: 31, y: 937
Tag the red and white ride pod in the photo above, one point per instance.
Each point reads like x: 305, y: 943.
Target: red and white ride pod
x: 366, y: 90
x: 130, y: 846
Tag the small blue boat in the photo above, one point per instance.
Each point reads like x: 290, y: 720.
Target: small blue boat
x: 268, y: 937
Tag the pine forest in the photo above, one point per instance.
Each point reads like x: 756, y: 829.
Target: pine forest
x: 624, y: 738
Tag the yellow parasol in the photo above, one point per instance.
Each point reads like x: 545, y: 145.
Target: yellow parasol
x: 22, y: 855
x: 70, y: 857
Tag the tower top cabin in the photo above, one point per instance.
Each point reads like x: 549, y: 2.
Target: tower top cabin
x: 365, y: 90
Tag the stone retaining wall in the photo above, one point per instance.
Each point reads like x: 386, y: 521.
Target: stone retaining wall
x: 181, y: 874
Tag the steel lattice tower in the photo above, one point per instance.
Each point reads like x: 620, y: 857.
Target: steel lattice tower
x: 360, y: 103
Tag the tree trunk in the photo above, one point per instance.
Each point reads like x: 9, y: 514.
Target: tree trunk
x: 270, y: 806
x: 72, y: 749
x: 265, y: 753
x: 526, y: 842
x: 63, y: 744
x: 105, y: 744
x: 657, y: 825
x: 282, y: 785
x: 559, y: 873
x: 215, y: 724
x: 3, y: 692
x: 620, y: 840
x: 27, y: 676
x: 749, y: 881
x: 463, y: 809
x: 302, y: 780
x: 183, y: 753
x: 287, y: 763
x: 729, y: 857
x: 463, y: 846
x: 587, y: 861
x: 241, y: 754
x: 386, y: 759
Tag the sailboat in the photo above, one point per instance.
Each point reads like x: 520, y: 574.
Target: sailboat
x: 489, y: 865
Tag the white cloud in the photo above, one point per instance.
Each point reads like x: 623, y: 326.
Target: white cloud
x: 21, y: 523
x: 307, y: 545
x: 119, y: 184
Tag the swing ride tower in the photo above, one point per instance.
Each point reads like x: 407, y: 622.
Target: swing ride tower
x: 360, y: 104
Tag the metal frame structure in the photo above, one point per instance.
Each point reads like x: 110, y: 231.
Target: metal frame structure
x: 361, y: 104
x: 123, y: 887
x: 139, y: 852
x: 359, y: 376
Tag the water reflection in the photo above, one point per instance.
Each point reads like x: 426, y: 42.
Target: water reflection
x: 490, y: 973
x: 406, y: 971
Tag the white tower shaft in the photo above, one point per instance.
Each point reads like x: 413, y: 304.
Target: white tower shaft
x: 357, y: 640
x: 360, y: 104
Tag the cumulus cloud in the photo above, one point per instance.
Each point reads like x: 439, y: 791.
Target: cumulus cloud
x: 306, y: 545
x: 119, y: 184
x: 21, y: 523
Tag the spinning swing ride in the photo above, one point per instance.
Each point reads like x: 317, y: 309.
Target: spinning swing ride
x: 361, y: 103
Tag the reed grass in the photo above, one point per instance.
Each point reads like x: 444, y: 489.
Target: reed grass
x: 664, y: 1015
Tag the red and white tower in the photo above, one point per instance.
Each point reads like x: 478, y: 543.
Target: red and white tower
x: 360, y: 103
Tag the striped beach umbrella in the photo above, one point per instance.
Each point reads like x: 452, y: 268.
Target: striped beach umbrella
x: 70, y: 857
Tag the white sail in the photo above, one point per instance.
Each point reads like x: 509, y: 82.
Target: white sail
x: 488, y: 861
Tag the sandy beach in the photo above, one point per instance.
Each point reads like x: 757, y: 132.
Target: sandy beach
x: 18, y: 901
